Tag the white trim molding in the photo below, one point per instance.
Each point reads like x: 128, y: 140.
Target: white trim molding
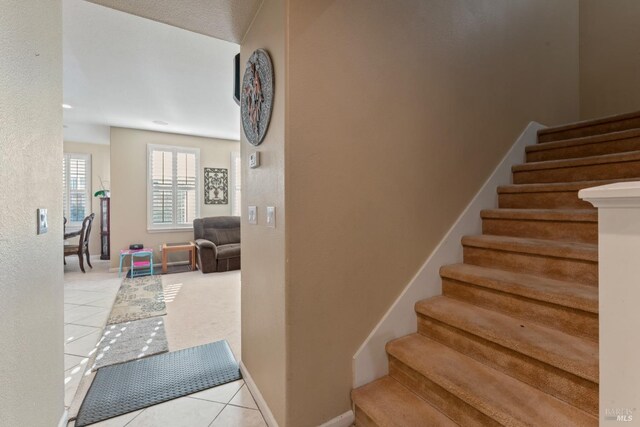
x: 618, y: 295
x: 343, y: 420
x: 370, y: 361
x: 64, y: 419
x: 618, y: 195
x: 255, y: 392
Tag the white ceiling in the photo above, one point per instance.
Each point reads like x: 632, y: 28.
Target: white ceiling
x: 127, y: 71
x: 223, y: 19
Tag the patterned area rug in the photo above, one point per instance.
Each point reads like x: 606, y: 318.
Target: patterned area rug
x: 138, y: 298
x: 131, y: 340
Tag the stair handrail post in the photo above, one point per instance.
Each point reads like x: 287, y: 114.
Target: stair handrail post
x: 619, y: 297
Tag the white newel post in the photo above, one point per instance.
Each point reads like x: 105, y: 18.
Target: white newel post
x: 619, y: 299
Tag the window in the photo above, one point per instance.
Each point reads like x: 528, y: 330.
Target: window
x: 173, y: 187
x: 76, y: 181
x: 235, y: 184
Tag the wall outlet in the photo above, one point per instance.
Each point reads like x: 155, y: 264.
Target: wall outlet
x: 43, y: 221
x: 252, y: 215
x: 254, y: 159
x: 271, y: 216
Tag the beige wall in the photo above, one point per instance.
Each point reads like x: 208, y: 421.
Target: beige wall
x: 129, y: 186
x: 100, y: 159
x: 396, y: 114
x: 31, y: 363
x: 263, y: 248
x: 609, y: 57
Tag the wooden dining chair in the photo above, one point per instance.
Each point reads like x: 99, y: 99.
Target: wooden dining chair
x: 82, y: 248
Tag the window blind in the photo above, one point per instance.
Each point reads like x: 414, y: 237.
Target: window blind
x: 236, y: 184
x: 173, y: 186
x: 76, y: 181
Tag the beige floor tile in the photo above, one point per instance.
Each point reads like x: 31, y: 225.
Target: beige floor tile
x: 233, y: 416
x: 183, y: 412
x: 82, y: 312
x: 97, y: 321
x: 243, y: 398
x: 83, y: 297
x: 71, y: 380
x: 73, y: 332
x: 71, y: 361
x: 222, y: 393
x: 68, y: 306
x: 103, y: 301
x: 120, y: 421
x: 83, y: 346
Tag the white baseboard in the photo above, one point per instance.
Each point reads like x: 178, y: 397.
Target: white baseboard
x: 64, y: 420
x: 344, y: 420
x: 370, y: 361
x: 262, y: 404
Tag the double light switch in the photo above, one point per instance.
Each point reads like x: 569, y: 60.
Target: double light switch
x: 252, y: 215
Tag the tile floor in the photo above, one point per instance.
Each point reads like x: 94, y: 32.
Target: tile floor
x: 88, y: 299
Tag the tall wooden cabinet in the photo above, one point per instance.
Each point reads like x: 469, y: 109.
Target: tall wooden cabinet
x: 105, y: 227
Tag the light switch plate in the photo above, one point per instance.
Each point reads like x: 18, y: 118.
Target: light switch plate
x: 254, y: 159
x: 43, y: 222
x: 271, y: 216
x: 252, y: 215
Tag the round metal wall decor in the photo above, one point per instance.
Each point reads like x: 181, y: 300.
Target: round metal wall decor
x: 256, y: 97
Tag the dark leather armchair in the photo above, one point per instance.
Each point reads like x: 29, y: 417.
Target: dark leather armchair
x: 218, y: 242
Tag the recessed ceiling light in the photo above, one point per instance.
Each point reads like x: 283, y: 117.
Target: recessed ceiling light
x: 67, y: 106
x: 160, y: 122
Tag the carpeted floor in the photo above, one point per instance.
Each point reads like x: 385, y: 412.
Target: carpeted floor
x: 202, y: 308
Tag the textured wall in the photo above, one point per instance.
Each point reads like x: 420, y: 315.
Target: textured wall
x: 31, y: 363
x: 609, y: 57
x: 263, y: 256
x: 100, y: 158
x: 222, y: 19
x: 129, y: 187
x: 397, y: 112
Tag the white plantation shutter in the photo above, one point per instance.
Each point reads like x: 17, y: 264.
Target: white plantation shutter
x: 76, y: 181
x: 236, y: 184
x: 173, y: 186
x: 186, y: 184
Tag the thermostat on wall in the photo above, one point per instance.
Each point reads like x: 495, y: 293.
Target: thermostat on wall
x: 254, y: 159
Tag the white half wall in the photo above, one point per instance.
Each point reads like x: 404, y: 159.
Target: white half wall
x: 370, y: 361
x: 618, y: 247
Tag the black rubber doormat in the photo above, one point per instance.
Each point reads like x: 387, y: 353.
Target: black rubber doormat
x: 127, y: 387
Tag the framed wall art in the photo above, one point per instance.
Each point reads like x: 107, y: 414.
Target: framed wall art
x: 216, y: 186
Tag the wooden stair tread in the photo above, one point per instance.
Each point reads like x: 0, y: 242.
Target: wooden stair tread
x: 598, y: 126
x: 567, y: 294
x: 499, y: 396
x: 572, y: 354
x: 551, y: 248
x: 390, y: 404
x: 585, y: 140
x: 574, y: 215
x: 557, y: 186
x: 628, y: 156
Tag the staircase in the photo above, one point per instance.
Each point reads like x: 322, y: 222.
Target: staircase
x: 513, y: 340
